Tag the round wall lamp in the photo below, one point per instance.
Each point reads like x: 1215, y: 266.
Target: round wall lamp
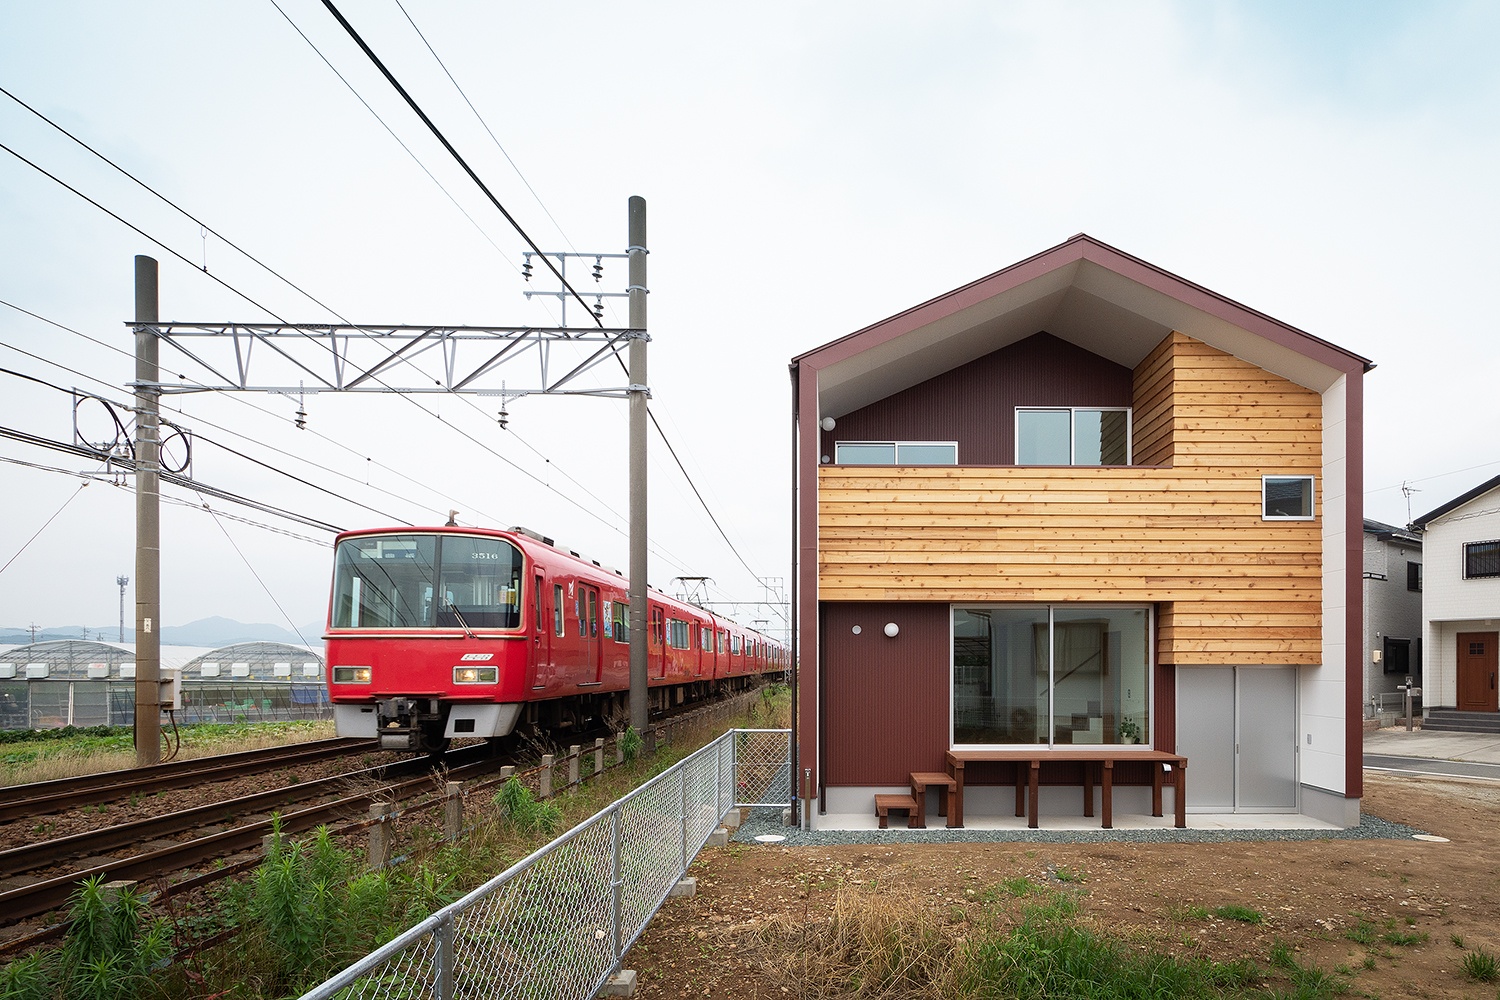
x: 856, y: 630
x: 892, y: 629
x: 827, y: 423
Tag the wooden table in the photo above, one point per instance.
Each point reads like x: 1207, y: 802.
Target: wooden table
x: 1103, y: 756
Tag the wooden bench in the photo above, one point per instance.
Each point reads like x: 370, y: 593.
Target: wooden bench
x: 945, y: 784
x: 885, y: 803
x: 1029, y: 763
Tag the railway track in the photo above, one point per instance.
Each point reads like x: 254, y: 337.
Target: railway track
x: 44, y: 797
x: 235, y: 828
x: 250, y: 814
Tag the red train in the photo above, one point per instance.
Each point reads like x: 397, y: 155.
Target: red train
x: 436, y: 633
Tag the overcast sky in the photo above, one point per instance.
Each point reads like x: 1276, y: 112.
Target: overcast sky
x: 809, y: 168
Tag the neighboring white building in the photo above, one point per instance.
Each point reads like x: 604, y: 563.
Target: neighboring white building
x: 1393, y: 614
x: 1461, y: 601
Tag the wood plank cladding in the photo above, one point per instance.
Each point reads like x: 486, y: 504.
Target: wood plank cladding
x: 1181, y: 529
x: 975, y: 403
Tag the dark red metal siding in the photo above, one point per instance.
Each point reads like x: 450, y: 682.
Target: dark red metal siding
x: 1164, y: 721
x: 886, y: 698
x: 975, y: 403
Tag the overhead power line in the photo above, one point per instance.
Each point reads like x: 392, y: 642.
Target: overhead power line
x: 431, y: 127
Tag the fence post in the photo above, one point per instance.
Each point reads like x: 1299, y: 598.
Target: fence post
x: 380, y: 837
x: 453, y: 810
x: 443, y: 974
x: 545, y: 781
x: 599, y: 755
x: 682, y: 790
x: 574, y: 753
x: 616, y: 885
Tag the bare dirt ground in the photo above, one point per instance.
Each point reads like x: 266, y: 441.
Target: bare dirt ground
x: 1316, y: 896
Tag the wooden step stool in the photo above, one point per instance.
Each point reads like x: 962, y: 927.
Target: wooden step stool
x: 945, y: 785
x: 885, y: 803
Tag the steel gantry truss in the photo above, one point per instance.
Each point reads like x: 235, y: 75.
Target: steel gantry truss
x: 328, y: 357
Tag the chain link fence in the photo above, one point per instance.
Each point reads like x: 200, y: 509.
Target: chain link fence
x: 557, y: 924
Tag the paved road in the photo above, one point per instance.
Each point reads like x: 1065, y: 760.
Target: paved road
x: 1431, y: 767
x: 1469, y: 755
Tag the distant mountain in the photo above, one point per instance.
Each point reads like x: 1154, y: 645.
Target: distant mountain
x: 208, y: 632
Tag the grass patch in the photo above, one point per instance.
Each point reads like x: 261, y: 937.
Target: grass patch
x: 1404, y: 939
x: 1241, y: 913
x: 1070, y: 876
x: 884, y: 945
x: 1363, y: 932
x: 63, y: 753
x: 1184, y: 914
x: 1480, y: 966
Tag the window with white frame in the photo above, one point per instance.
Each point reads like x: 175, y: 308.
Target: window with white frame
x: 1286, y: 498
x: 1481, y: 559
x: 1072, y: 435
x: 896, y: 452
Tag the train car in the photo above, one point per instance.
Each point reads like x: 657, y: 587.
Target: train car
x: 438, y: 633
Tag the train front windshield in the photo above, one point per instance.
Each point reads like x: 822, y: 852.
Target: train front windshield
x: 426, y: 581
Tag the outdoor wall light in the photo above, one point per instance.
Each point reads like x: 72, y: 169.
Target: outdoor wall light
x: 827, y: 423
x: 892, y: 629
x: 856, y: 630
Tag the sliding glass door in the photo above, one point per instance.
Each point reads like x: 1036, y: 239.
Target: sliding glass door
x: 1060, y: 674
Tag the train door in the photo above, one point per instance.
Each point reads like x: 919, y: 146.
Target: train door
x: 588, y: 628
x: 658, y: 642
x: 541, y: 634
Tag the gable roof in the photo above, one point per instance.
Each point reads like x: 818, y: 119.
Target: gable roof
x: 1084, y: 291
x: 1456, y: 502
x: 1389, y: 532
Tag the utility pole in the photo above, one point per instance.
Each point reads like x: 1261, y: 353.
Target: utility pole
x: 639, y: 614
x: 123, y: 581
x: 147, y: 520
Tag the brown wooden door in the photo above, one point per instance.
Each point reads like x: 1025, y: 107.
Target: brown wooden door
x: 1476, y: 671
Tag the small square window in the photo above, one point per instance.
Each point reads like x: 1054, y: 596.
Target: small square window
x: 1286, y: 498
x: 1481, y: 559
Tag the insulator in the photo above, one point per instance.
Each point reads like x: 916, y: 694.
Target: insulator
x: 526, y: 270
x: 598, y: 269
x: 301, y: 420
x: 504, y: 418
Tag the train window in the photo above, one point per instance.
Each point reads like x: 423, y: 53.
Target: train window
x: 658, y: 628
x: 678, y: 637
x: 557, y: 609
x: 734, y: 645
x: 722, y: 636
x: 706, y: 639
x: 622, y: 622
x: 480, y: 583
x: 537, y: 621
x: 593, y: 606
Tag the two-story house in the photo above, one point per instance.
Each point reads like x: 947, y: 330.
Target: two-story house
x: 1461, y: 610
x: 1081, y: 502
x: 1393, y: 616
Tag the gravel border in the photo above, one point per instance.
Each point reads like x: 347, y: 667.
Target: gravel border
x: 768, y: 821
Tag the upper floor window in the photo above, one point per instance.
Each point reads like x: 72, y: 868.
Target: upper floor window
x: 1077, y: 435
x: 1481, y: 559
x: 1413, y: 576
x: 896, y: 452
x: 1286, y: 498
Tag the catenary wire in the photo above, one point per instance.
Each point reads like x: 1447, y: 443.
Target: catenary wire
x: 458, y: 158
x: 71, y: 497
x: 238, y: 551
x: 416, y: 108
x: 485, y: 125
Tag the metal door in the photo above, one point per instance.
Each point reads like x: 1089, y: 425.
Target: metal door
x: 1237, y: 726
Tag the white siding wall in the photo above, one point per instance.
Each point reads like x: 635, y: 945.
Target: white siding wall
x: 1465, y: 605
x: 1321, y: 695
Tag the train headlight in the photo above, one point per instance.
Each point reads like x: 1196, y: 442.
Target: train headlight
x: 476, y: 675
x: 351, y: 675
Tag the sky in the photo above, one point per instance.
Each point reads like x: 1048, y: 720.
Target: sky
x: 808, y: 169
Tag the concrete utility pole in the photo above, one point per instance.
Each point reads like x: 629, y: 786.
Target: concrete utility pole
x: 123, y: 581
x: 639, y: 614
x: 147, y: 520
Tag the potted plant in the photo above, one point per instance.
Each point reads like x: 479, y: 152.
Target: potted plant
x: 1130, y: 731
